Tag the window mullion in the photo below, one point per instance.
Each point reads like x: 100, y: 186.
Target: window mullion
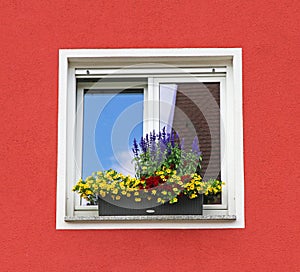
x: 151, y: 108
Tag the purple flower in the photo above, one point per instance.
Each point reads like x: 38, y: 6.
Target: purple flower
x: 163, y: 134
x: 181, y: 144
x: 195, y: 146
x: 143, y: 145
x: 152, y: 136
x: 162, y: 145
x: 135, y: 148
x: 153, y: 149
x: 147, y: 140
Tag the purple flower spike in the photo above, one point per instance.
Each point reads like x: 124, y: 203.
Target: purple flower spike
x: 152, y: 136
x: 147, y: 140
x: 181, y: 145
x: 195, y: 146
x: 162, y: 145
x: 172, y: 139
x: 153, y: 148
x: 143, y: 145
x: 163, y: 134
x: 135, y: 148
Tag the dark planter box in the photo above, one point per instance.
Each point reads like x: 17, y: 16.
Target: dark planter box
x: 184, y: 206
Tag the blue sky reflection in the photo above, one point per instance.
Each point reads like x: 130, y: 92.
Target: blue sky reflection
x: 111, y: 121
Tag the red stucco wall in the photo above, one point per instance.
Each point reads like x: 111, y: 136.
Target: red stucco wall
x: 32, y: 32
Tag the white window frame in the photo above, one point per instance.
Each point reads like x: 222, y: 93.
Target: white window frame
x: 207, y: 64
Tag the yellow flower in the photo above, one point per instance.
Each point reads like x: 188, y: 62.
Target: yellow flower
x: 118, y: 197
x: 153, y: 192
x: 199, y: 189
x: 174, y: 200
x: 137, y: 182
x: 136, y: 193
x: 137, y: 199
x: 102, y: 193
x: 128, y: 195
x: 164, y: 193
x: 123, y: 192
x: 168, y: 171
x: 159, y: 200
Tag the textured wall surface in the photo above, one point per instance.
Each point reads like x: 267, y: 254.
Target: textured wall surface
x: 32, y: 32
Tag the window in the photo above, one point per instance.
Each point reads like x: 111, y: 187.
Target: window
x: 109, y: 97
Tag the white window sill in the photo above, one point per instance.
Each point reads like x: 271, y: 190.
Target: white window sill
x: 152, y: 218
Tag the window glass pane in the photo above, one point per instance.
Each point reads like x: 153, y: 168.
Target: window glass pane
x: 112, y: 119
x: 193, y: 109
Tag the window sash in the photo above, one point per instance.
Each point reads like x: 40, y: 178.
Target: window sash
x: 222, y: 81
x: 81, y: 87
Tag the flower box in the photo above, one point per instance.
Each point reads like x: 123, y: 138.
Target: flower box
x: 184, y: 206
x: 166, y: 181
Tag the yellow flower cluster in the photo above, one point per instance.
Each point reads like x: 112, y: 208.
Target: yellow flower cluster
x: 164, y: 187
x: 196, y: 186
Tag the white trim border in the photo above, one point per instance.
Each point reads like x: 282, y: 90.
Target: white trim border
x: 69, y: 59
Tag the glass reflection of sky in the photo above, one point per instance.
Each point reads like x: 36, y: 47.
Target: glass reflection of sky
x: 111, y: 121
